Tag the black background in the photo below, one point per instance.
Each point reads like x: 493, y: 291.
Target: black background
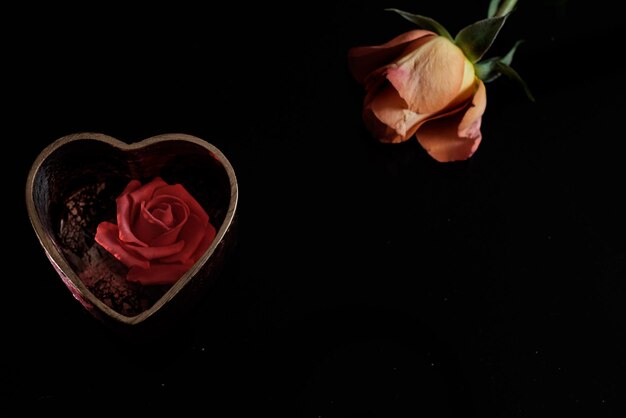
x: 368, y: 279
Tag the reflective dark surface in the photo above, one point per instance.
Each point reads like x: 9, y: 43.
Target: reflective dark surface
x: 367, y: 280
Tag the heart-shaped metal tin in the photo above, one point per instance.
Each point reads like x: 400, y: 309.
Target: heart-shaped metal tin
x: 72, y: 186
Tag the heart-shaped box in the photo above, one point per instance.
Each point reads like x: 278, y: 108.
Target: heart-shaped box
x: 71, y: 188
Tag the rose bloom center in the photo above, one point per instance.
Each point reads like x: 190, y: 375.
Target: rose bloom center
x: 160, y: 215
x: 168, y: 211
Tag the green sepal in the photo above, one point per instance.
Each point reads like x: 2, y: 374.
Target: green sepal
x: 424, y: 22
x: 477, y: 38
x: 511, y: 73
x: 487, y: 71
x: 508, y: 58
x: 495, y: 9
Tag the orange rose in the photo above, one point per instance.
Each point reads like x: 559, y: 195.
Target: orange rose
x: 422, y: 84
x: 428, y: 84
x: 161, y: 232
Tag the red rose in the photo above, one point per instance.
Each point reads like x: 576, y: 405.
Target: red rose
x: 161, y: 232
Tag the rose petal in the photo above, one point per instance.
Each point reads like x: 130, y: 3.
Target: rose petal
x: 374, y: 83
x: 153, y: 253
x: 173, y: 234
x: 131, y: 187
x: 174, y: 210
x: 388, y: 118
x: 163, y: 213
x: 107, y: 235
x: 129, y: 207
x: 430, y: 77
x: 125, y: 220
x: 363, y: 60
x: 455, y: 137
x: 157, y: 274
x: 146, y: 191
x: 207, y: 240
x: 470, y: 125
x: 193, y: 234
x: 154, y: 232
x: 439, y: 138
x: 180, y: 192
x: 146, y: 227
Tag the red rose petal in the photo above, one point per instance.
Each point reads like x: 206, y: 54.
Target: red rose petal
x: 153, y: 231
x: 207, y: 240
x: 125, y: 220
x: 107, y: 235
x: 180, y: 192
x: 192, y: 234
x: 157, y: 274
x: 153, y: 253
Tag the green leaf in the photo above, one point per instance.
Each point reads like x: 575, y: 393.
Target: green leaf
x: 511, y: 73
x: 478, y: 37
x: 424, y: 22
x: 497, y: 9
